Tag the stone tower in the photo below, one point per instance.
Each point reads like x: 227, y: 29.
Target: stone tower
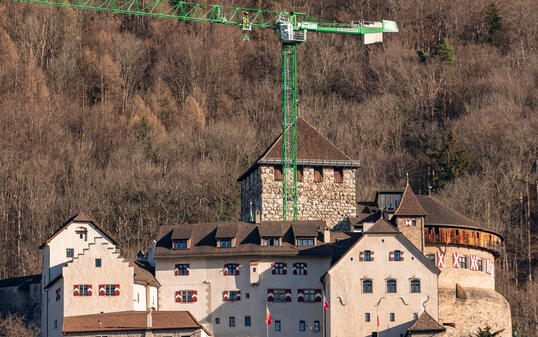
x: 326, y: 182
x: 409, y: 218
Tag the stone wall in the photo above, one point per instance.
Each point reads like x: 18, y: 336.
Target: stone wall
x: 415, y: 233
x: 327, y: 200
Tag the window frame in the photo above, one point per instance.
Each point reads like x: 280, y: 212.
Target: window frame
x: 231, y: 322
x: 100, y: 264
x: 413, y: 286
x: 278, y: 326
x: 309, y: 295
x: 180, y: 244
x: 367, y: 255
x: 463, y: 262
x: 399, y: 254
x: 302, y: 326
x: 367, y: 317
x: 279, y: 268
x: 232, y: 268
x: 390, y: 286
x: 431, y: 257
x: 248, y: 321
x: 317, y: 326
x: 225, y: 243
x: 183, y: 269
x: 70, y: 252
x: 279, y: 295
x: 364, y: 286
x: 300, y: 268
x: 305, y: 242
x: 392, y: 317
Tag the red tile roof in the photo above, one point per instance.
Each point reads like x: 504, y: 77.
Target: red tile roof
x: 312, y: 149
x: 409, y: 204
x: 130, y: 321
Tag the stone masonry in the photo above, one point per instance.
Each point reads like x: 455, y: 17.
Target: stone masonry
x: 327, y: 200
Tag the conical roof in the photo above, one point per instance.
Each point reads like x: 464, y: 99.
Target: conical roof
x: 312, y: 149
x: 409, y: 204
x: 426, y: 323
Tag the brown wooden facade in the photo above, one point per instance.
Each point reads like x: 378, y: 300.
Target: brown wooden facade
x: 463, y: 236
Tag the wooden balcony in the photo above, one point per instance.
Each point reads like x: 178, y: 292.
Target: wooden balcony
x: 464, y: 237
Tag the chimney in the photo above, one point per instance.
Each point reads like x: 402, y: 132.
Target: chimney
x: 257, y: 217
x: 326, y: 235
x: 149, y: 320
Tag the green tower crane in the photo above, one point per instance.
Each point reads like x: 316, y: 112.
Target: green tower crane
x: 291, y: 28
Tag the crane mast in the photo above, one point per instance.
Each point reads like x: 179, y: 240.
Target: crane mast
x: 291, y: 27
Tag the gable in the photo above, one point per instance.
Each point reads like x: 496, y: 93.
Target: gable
x: 81, y: 220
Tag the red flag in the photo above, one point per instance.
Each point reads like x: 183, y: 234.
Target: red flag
x: 268, y: 318
x: 325, y: 304
x: 378, y: 320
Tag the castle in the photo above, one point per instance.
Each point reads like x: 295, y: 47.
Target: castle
x: 399, y: 265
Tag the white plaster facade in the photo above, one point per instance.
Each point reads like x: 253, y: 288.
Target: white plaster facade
x: 349, y: 303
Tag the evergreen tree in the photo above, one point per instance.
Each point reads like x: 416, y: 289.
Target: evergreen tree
x: 449, y: 163
x: 444, y: 52
x: 493, y: 19
x: 486, y: 332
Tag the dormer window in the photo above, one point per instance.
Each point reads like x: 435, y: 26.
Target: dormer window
x: 305, y: 241
x: 225, y: 243
x: 274, y: 241
x: 180, y: 244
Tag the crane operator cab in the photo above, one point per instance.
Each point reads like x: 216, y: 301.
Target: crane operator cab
x: 287, y: 35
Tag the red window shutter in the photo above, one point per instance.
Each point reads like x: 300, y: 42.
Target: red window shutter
x: 273, y: 268
x: 305, y: 269
x: 372, y: 254
x: 225, y: 270
x: 318, y: 295
x: 300, y: 295
x: 76, y: 291
x: 194, y: 296
x: 117, y: 290
x: 288, y: 295
x: 238, y: 295
x: 225, y: 295
x: 176, y: 270
x: 401, y: 256
x: 361, y: 256
x: 188, y: 269
x: 178, y: 296
x: 270, y: 296
x: 391, y: 256
x: 236, y: 269
x: 295, y: 269
x: 101, y: 290
x: 90, y: 290
x: 285, y: 269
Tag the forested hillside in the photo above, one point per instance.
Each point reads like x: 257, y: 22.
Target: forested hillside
x: 139, y: 121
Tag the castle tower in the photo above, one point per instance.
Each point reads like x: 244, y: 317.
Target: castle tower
x: 409, y: 218
x: 325, y: 180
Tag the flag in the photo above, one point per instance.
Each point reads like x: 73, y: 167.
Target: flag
x: 325, y: 304
x: 377, y: 320
x: 268, y: 318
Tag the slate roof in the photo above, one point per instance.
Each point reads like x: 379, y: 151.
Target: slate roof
x: 273, y: 228
x: 312, y: 149
x: 204, y: 240
x: 79, y: 218
x: 382, y: 226
x: 426, y: 323
x: 307, y: 228
x: 226, y: 230
x: 182, y: 232
x: 441, y: 215
x: 144, y: 274
x: 130, y: 321
x: 409, y: 205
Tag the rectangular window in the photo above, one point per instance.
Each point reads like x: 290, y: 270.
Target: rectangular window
x: 232, y: 268
x: 300, y: 269
x: 431, y: 257
x: 279, y: 295
x: 279, y: 268
x: 367, y: 317
x: 480, y: 265
x: 271, y: 242
x: 318, y: 174
x: 309, y: 295
x: 233, y: 295
x: 181, y: 244
x: 367, y: 255
x: 277, y: 326
x: 391, y: 286
x: 231, y: 322
x: 338, y: 175
x: 302, y: 326
x: 83, y: 290
x: 415, y: 286
x: 463, y: 261
x: 366, y: 286
x: 182, y: 269
x: 110, y: 290
x: 305, y: 242
x: 226, y: 243
x: 98, y: 263
x: 392, y: 317
x: 69, y: 252
x: 217, y: 320
x: 278, y: 173
x: 316, y: 326
x: 247, y: 321
x: 397, y: 255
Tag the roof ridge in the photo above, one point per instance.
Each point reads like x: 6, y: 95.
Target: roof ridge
x: 409, y: 204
